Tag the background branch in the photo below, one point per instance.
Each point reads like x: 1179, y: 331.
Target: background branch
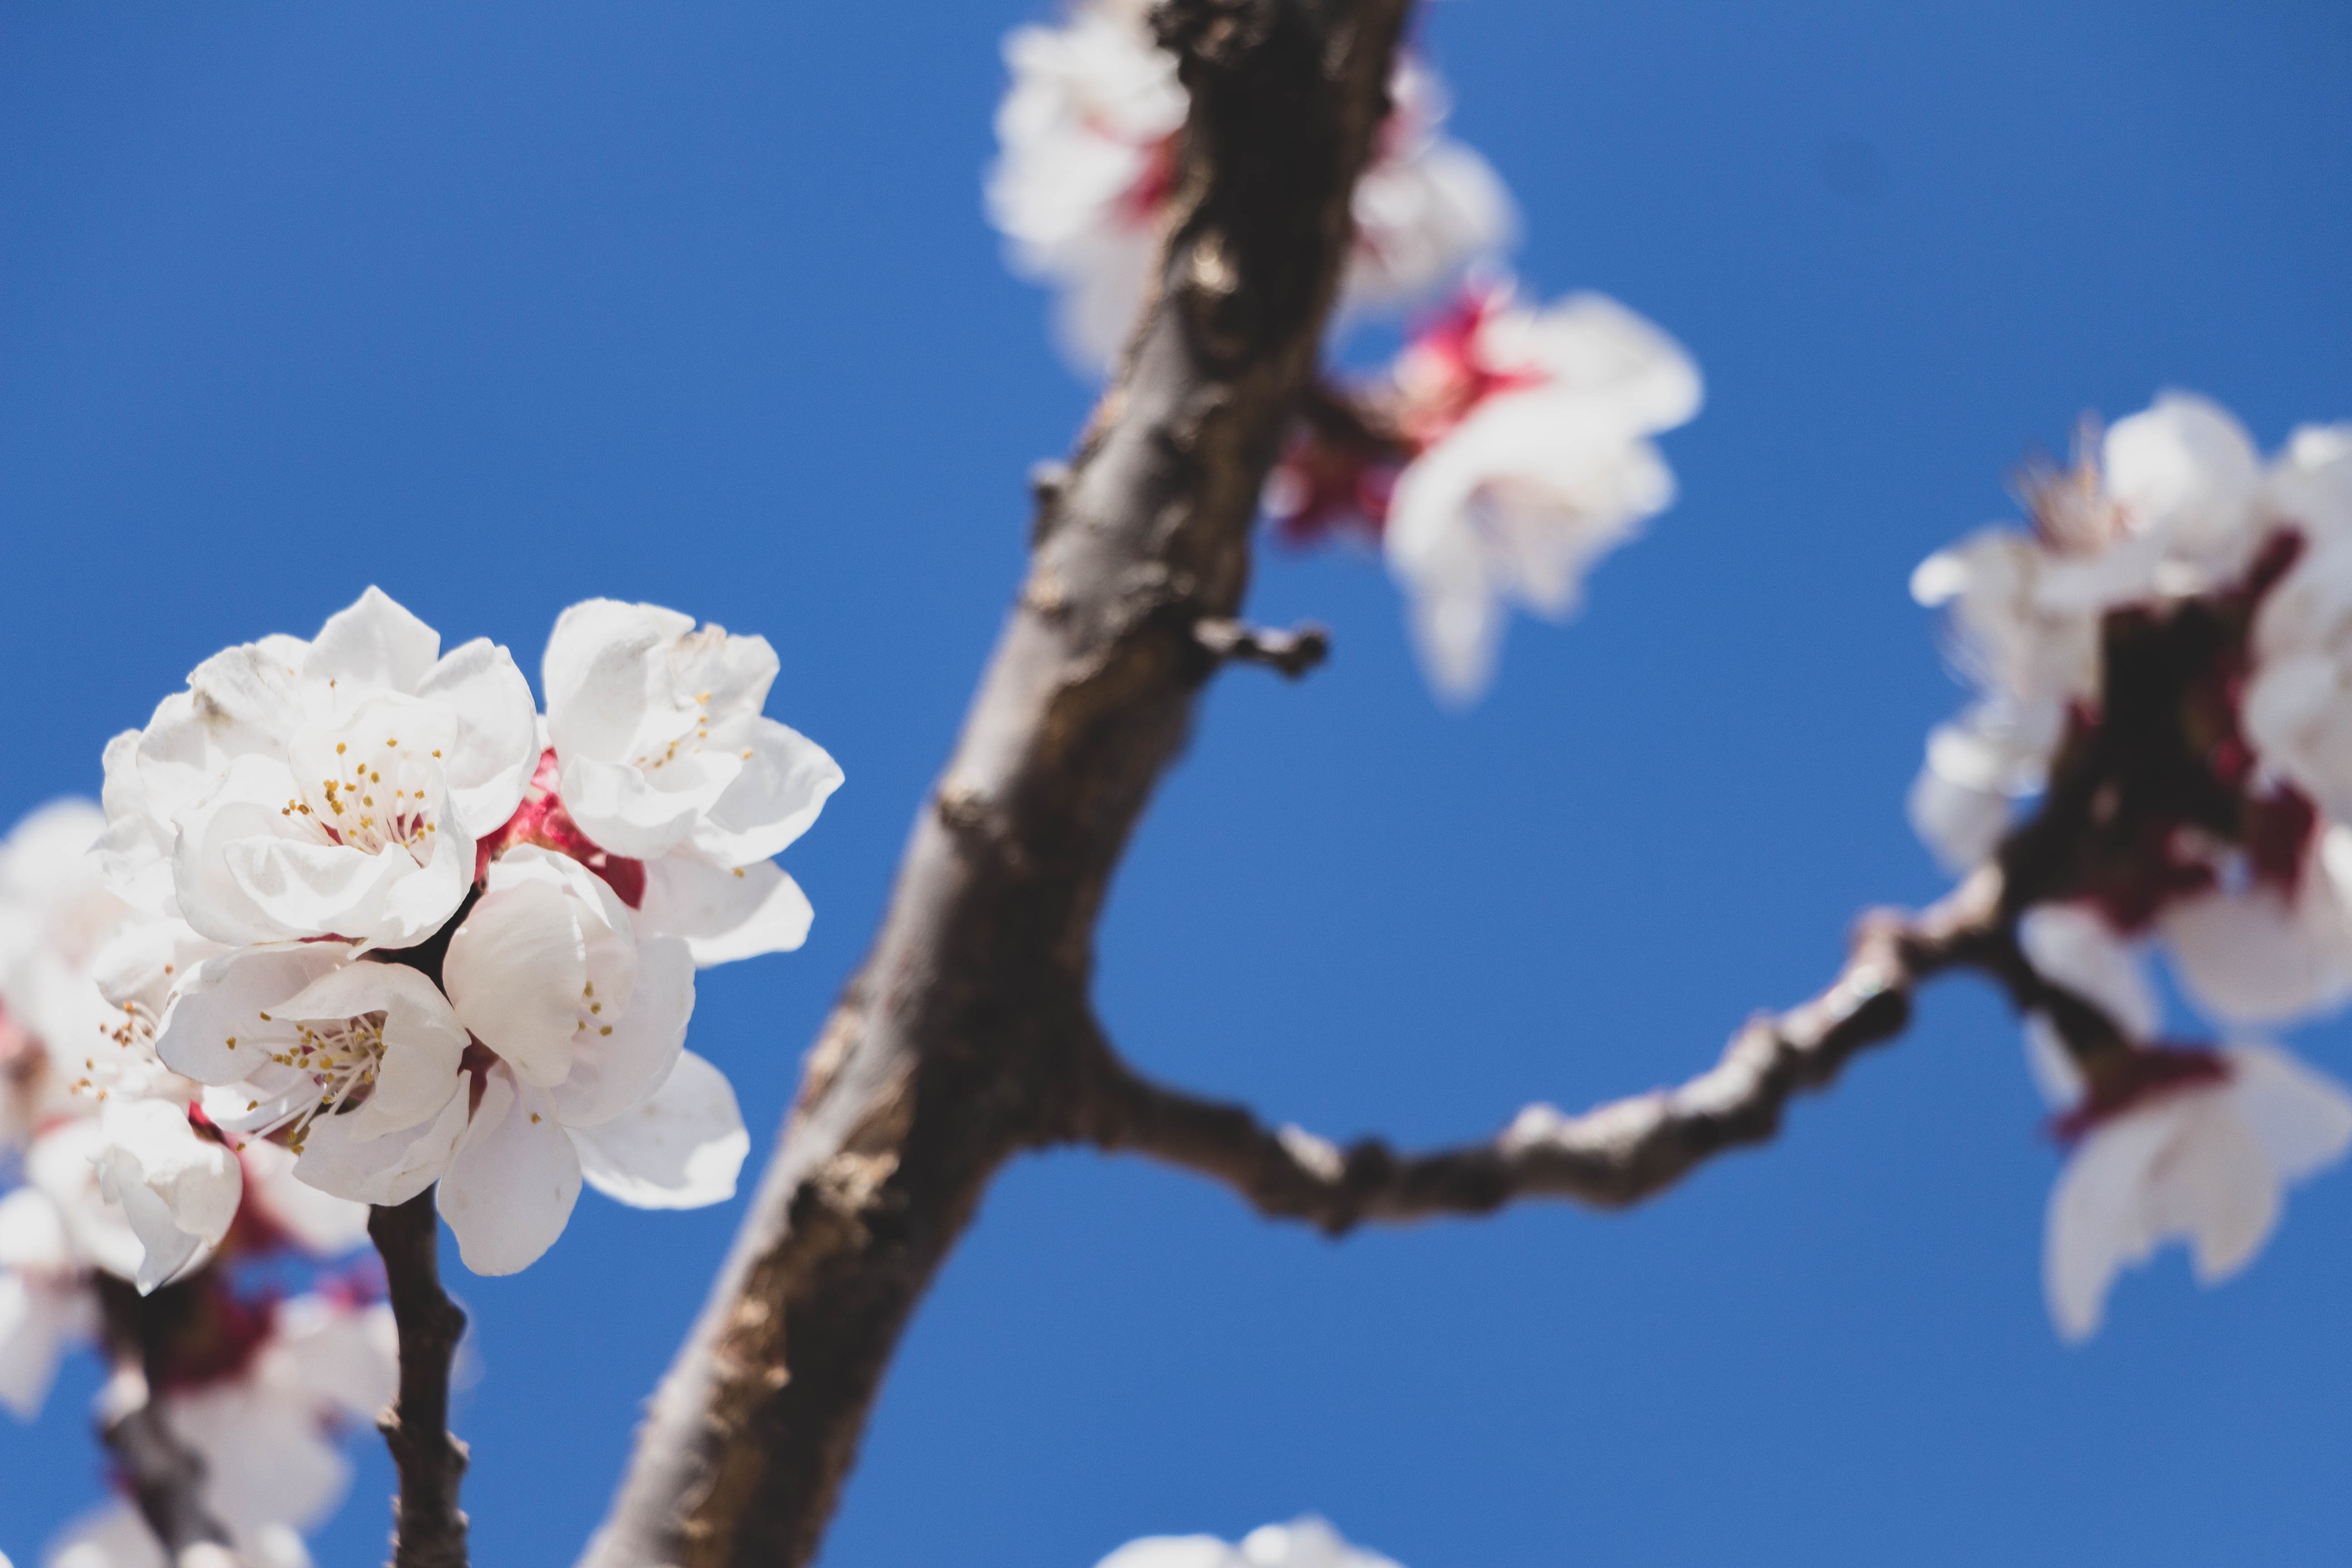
x: 165, y: 1476
x: 428, y: 1527
x: 1612, y: 1155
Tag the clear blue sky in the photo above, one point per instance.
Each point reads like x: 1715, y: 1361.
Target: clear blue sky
x: 503, y: 307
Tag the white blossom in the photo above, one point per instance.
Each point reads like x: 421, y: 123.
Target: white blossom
x: 664, y: 756
x: 1534, y: 460
x: 2177, y: 505
x: 1307, y: 1542
x: 330, y: 788
x: 46, y: 1304
x: 2174, y: 1144
x: 1087, y: 135
x: 558, y: 1045
x: 2205, y: 1162
x: 265, y: 1434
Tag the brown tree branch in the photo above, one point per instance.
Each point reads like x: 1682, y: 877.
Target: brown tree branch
x: 1292, y: 653
x: 428, y: 1527
x: 960, y: 1039
x: 1616, y: 1154
x: 1611, y: 1156
x: 165, y: 1476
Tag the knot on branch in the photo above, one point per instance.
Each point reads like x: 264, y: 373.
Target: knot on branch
x: 1292, y: 653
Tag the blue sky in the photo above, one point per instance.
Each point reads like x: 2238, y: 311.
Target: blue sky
x: 501, y: 308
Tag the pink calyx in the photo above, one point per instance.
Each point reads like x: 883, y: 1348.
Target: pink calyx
x: 541, y: 819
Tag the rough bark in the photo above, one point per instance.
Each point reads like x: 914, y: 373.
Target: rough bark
x: 963, y: 1038
x: 428, y: 1527
x: 165, y: 1476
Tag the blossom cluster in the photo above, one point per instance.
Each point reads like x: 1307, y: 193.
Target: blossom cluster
x: 1505, y: 450
x: 94, y: 1124
x: 2163, y: 659
x: 356, y: 918
x: 1087, y: 172
x: 441, y: 939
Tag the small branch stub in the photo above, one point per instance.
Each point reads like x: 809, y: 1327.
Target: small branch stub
x: 428, y: 1528
x: 1293, y: 653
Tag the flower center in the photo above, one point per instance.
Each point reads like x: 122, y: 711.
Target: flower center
x: 372, y: 795
x: 342, y: 1057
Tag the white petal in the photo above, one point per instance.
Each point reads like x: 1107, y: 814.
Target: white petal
x: 1962, y: 824
x: 33, y: 1233
x: 611, y: 1071
x: 631, y: 812
x: 2051, y: 1065
x: 2251, y: 957
x: 2099, y: 1216
x: 725, y: 914
x: 490, y: 758
x: 2070, y: 945
x: 785, y: 781
x: 1308, y: 1543
x: 319, y: 1223
x: 112, y: 1536
x: 2187, y: 467
x: 611, y: 692
x: 387, y: 1169
x: 1173, y: 1551
x: 179, y: 1189
x: 2300, y: 1116
x: 269, y: 1459
x: 334, y: 1353
x: 517, y: 969
x: 423, y: 1041
x: 509, y: 1189
x: 242, y: 810
x: 224, y: 1001
x: 376, y: 644
x: 680, y: 1149
x: 39, y: 1320
x: 2215, y: 1188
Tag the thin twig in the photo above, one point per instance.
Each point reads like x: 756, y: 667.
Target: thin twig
x: 166, y: 1476
x: 1611, y: 1156
x: 1293, y: 653
x: 428, y: 1527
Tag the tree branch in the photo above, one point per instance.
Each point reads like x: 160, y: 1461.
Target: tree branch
x: 959, y: 1040
x: 1293, y: 653
x: 165, y: 1476
x: 428, y: 1527
x: 1611, y: 1156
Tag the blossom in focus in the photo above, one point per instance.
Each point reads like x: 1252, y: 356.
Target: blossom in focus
x: 506, y: 1024
x: 1509, y: 451
x: 332, y: 788
x: 259, y: 1393
x: 2171, y: 637
x: 1087, y: 138
x: 1307, y: 1542
x: 661, y: 756
x: 2166, y: 1143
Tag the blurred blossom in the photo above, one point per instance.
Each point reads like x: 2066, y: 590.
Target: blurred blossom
x: 2162, y: 658
x: 1303, y: 1543
x: 1507, y: 450
x: 1088, y: 162
x: 260, y: 1391
x: 2165, y: 1141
